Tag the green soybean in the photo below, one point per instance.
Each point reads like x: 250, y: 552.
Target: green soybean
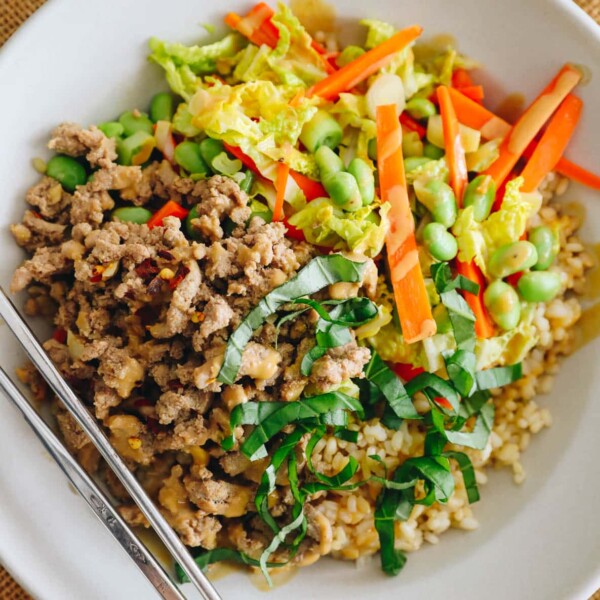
x: 502, y: 302
x: 161, y: 107
x: 412, y: 144
x: 348, y: 54
x: 372, y: 148
x: 344, y: 191
x: 414, y: 162
x: 132, y: 123
x: 132, y: 214
x: 321, y: 130
x: 328, y: 162
x: 111, y: 129
x: 547, y: 244
x: 67, y: 171
x: 247, y: 182
x: 539, y: 286
x: 480, y: 194
x: 188, y: 156
x: 363, y: 174
x: 192, y: 232
x: 440, y: 243
x: 511, y: 258
x: 420, y: 108
x: 131, y: 145
x: 210, y: 149
x: 439, y: 199
x: 433, y: 152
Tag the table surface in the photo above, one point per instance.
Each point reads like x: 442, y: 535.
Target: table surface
x: 13, y: 13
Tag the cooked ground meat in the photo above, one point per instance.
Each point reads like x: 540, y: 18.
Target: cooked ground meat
x: 142, y: 321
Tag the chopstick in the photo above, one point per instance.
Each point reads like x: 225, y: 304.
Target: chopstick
x: 95, y: 498
x: 89, y: 425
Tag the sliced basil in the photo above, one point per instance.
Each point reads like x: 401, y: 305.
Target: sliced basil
x: 498, y: 376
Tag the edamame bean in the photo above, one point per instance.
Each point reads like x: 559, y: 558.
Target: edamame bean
x: 67, y: 171
x: 328, y: 162
x: 192, y: 232
x: 433, y: 152
x: 188, y: 156
x: 344, y: 191
x: 511, y: 258
x: 420, y: 108
x: 321, y: 130
x: 503, y: 304
x: 414, y: 162
x: 161, y: 107
x: 412, y: 144
x: 372, y: 149
x: 247, y: 182
x: 210, y: 149
x: 440, y: 243
x: 363, y: 174
x: 111, y: 129
x: 480, y: 194
x: 547, y: 244
x: 132, y: 123
x: 132, y: 214
x: 348, y: 54
x: 539, y: 286
x: 439, y: 199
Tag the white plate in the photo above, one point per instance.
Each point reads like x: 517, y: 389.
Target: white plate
x: 85, y: 61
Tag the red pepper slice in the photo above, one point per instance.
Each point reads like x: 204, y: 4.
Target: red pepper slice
x: 170, y: 209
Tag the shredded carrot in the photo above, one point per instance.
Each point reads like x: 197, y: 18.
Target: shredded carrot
x: 283, y: 172
x: 364, y: 66
x: 457, y: 164
x: 531, y: 122
x: 311, y: 189
x: 410, y: 293
x: 483, y: 324
x: 572, y: 171
x: 170, y: 209
x: 552, y: 144
x: 461, y: 78
x: 476, y: 116
x: 475, y: 92
x: 412, y: 125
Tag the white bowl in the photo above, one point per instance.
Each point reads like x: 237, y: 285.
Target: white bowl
x: 85, y: 61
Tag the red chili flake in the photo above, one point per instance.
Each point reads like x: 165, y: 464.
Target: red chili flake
x: 165, y: 254
x: 96, y: 278
x: 175, y: 384
x: 60, y: 335
x: 36, y: 214
x: 179, y: 277
x: 443, y: 402
x: 147, y: 269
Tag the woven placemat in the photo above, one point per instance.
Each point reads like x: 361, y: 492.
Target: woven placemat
x: 12, y: 14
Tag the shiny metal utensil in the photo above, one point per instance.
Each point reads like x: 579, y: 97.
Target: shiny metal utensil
x: 89, y: 425
x: 96, y: 499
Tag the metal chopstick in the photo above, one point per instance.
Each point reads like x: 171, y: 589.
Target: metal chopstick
x: 96, y: 499
x: 89, y: 425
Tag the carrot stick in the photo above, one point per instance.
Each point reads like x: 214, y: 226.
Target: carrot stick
x: 576, y: 173
x: 364, y: 66
x: 483, y: 324
x: 461, y: 78
x: 312, y: 189
x: 553, y: 143
x: 412, y: 125
x: 283, y: 172
x: 170, y: 209
x: 475, y: 92
x: 472, y: 114
x: 531, y: 121
x: 457, y: 164
x: 411, y: 297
